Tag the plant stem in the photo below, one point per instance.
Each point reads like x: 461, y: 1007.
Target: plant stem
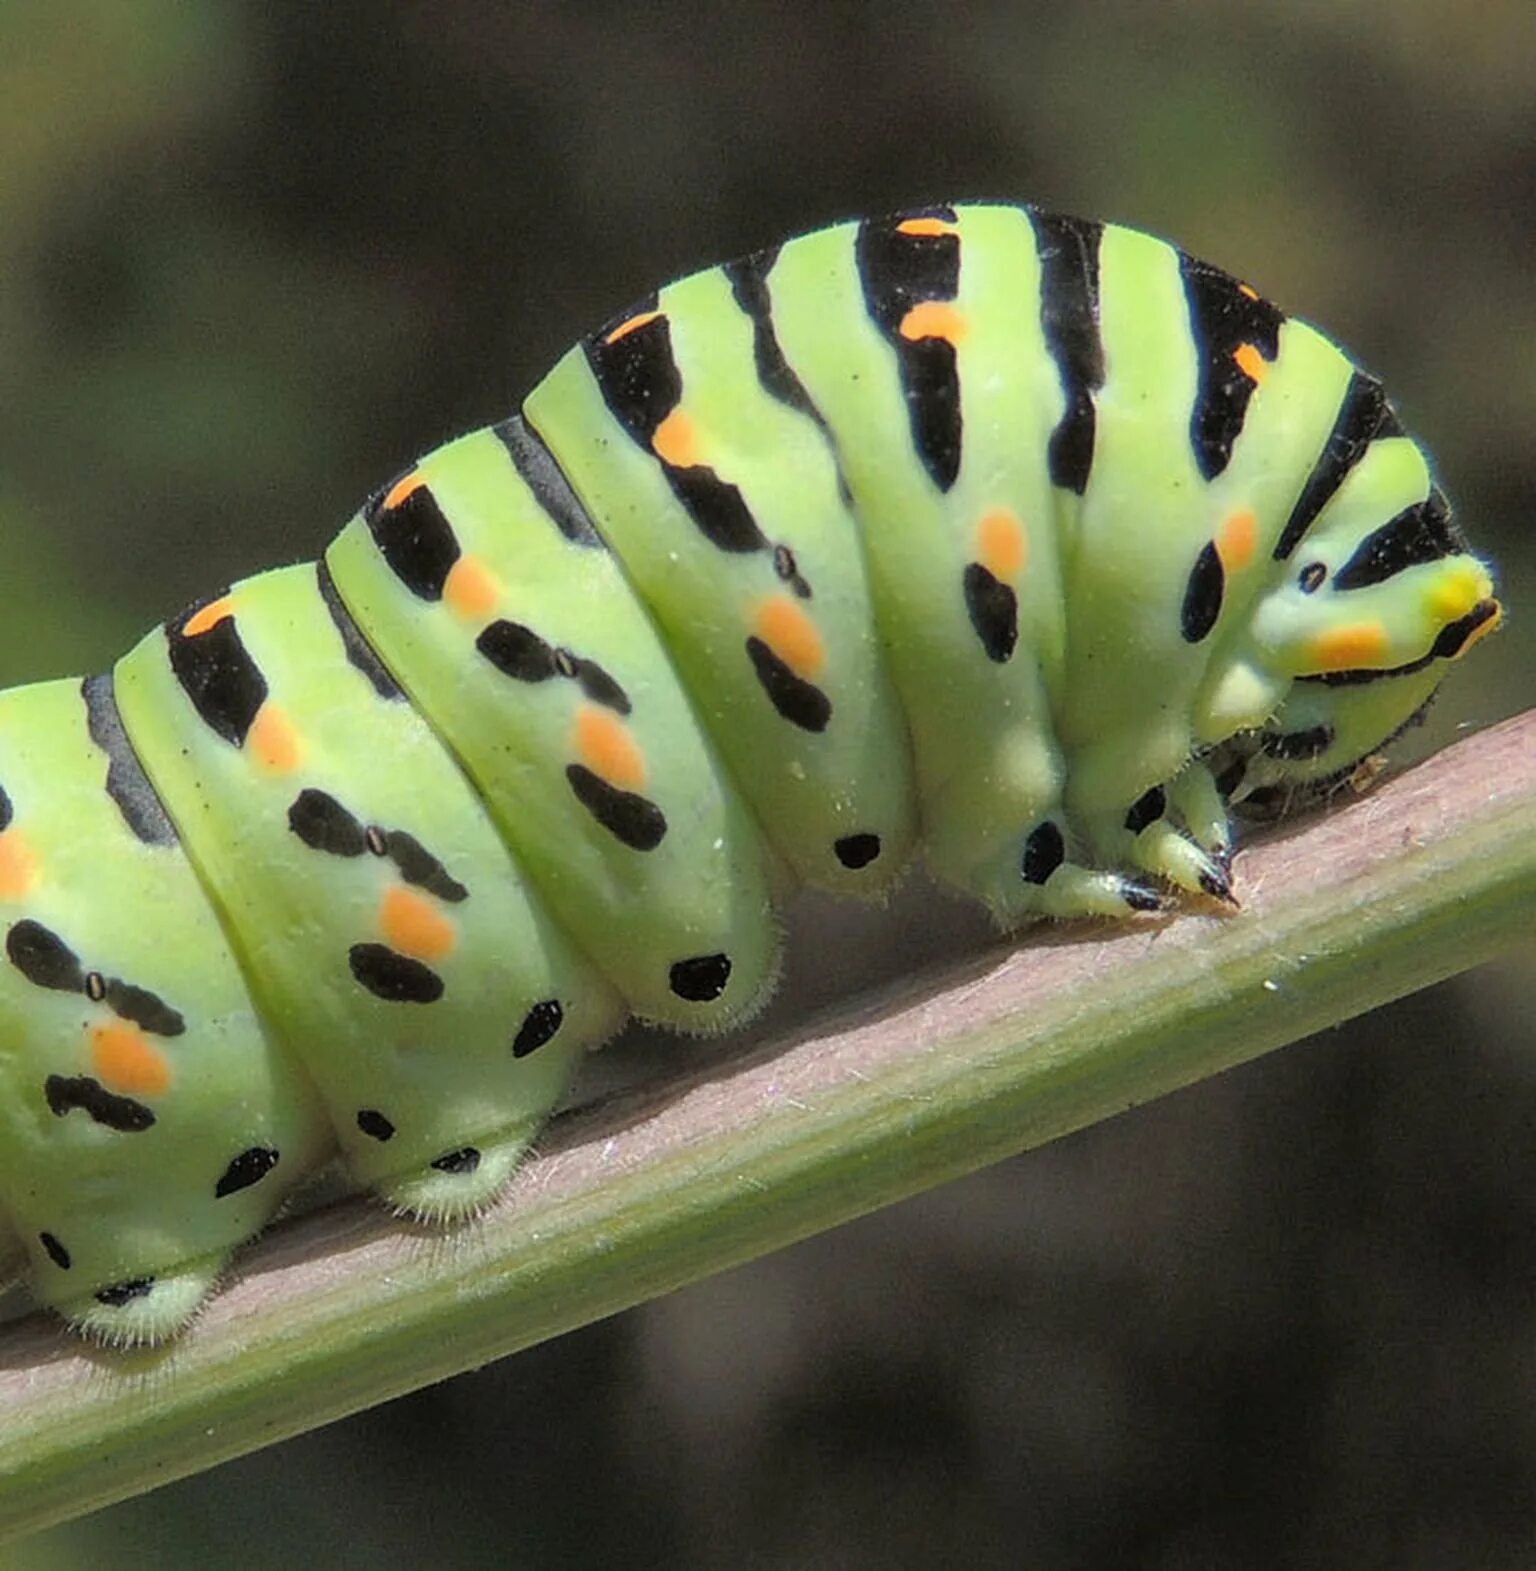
x: 635, y: 1195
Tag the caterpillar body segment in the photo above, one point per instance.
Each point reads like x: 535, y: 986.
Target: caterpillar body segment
x: 389, y: 937
x: 142, y: 1097
x: 726, y: 506
x: 1021, y: 542
x: 548, y: 680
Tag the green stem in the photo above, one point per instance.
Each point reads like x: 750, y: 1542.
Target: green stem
x: 637, y: 1195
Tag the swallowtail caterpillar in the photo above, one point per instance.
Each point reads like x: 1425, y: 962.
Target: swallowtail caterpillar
x: 1020, y: 542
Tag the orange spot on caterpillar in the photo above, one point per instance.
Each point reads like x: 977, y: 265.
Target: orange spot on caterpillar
x: 126, y: 1062
x: 676, y: 441
x: 411, y: 923
x: 274, y: 741
x: 1248, y: 291
x: 18, y: 865
x: 934, y: 319
x: 1250, y: 362
x: 1001, y: 544
x: 472, y: 589
x: 208, y: 618
x: 786, y: 628
x: 631, y: 325
x: 1237, y: 540
x: 924, y: 226
x: 402, y: 488
x: 1344, y: 648
x: 605, y: 746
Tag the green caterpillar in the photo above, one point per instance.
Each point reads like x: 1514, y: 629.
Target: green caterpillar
x: 1027, y: 542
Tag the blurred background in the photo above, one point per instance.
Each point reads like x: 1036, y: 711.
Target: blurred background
x: 255, y: 256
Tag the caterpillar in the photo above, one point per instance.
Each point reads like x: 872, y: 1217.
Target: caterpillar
x: 1025, y: 543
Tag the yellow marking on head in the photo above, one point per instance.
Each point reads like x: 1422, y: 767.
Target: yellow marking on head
x: 631, y: 325
x: 924, y: 226
x: 1001, y: 544
x: 403, y: 488
x: 274, y: 740
x: 1250, y: 362
x: 934, y: 319
x: 1362, y: 644
x: 787, y: 629
x: 411, y: 923
x: 676, y: 441
x: 605, y: 746
x: 127, y: 1062
x: 472, y: 589
x: 1237, y: 540
x: 208, y: 618
x: 1456, y: 591
x: 1248, y: 291
x: 18, y: 865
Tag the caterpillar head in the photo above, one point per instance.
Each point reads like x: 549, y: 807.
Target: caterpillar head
x: 1365, y: 626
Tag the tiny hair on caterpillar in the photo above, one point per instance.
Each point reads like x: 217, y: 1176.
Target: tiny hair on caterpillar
x: 1023, y: 544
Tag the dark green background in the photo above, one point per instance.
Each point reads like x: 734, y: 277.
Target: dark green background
x: 254, y: 257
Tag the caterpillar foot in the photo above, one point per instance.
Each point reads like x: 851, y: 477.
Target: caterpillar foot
x: 462, y: 1182
x: 1197, y: 800
x: 1073, y: 891
x: 144, y: 1309
x: 1149, y: 840
x: 1171, y: 855
x: 1039, y: 880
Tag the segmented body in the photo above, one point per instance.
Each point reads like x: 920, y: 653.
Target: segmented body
x: 1014, y: 539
